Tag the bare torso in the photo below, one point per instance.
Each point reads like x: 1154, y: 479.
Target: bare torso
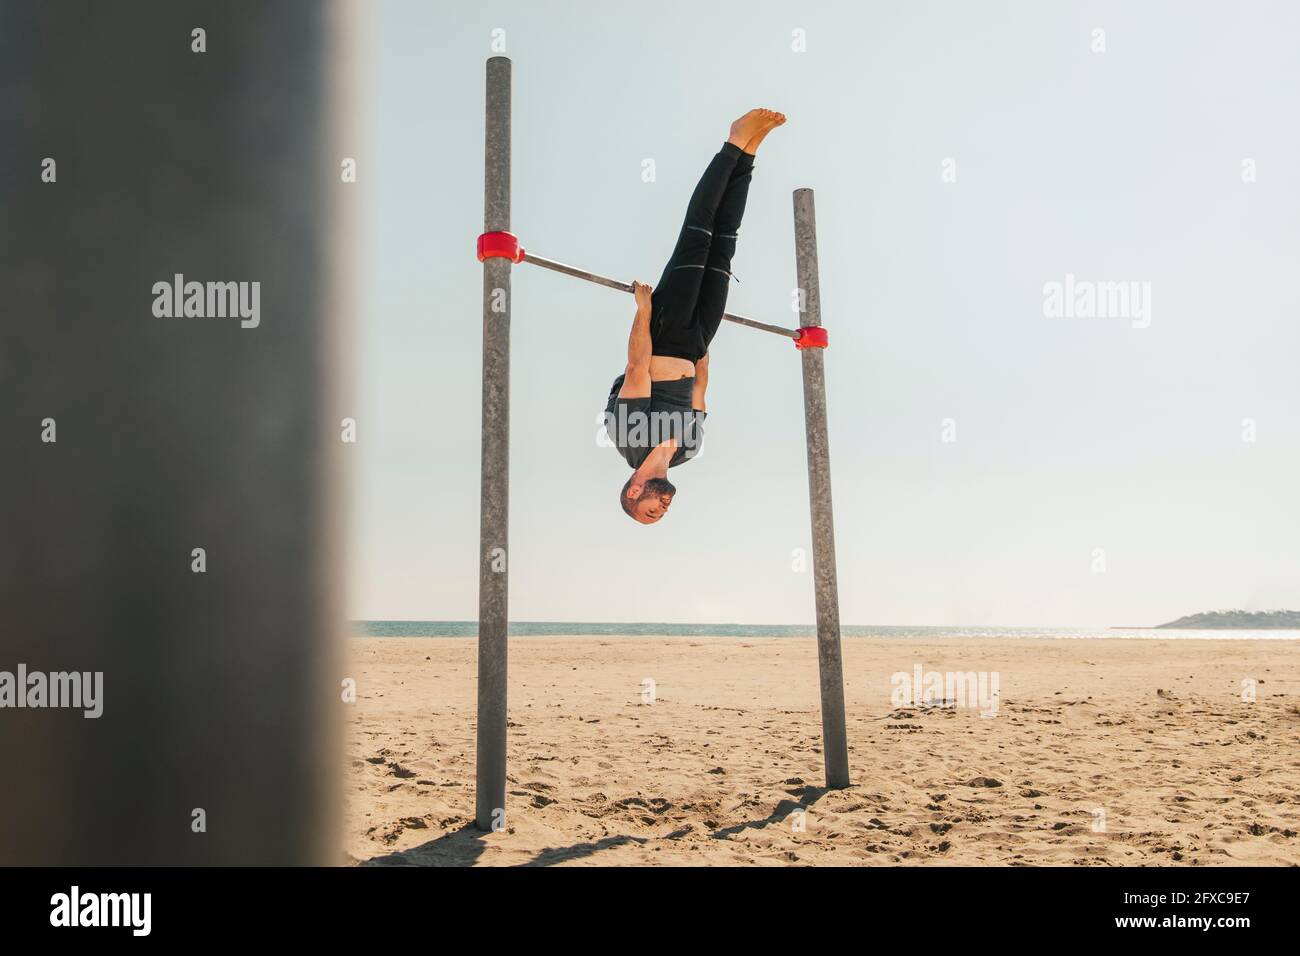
x: 665, y: 368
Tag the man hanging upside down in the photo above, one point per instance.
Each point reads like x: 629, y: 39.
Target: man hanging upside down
x: 656, y: 409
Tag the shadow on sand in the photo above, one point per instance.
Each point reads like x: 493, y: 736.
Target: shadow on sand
x: 464, y: 846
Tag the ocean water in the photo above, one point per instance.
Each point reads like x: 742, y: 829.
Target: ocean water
x: 599, y: 629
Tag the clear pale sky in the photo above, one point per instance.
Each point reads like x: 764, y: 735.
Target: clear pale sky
x: 1072, y: 434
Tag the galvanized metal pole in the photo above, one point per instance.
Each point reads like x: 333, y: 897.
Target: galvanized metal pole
x: 835, y: 751
x: 494, y: 495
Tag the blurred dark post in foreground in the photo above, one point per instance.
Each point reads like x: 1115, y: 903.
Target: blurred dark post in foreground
x: 221, y: 689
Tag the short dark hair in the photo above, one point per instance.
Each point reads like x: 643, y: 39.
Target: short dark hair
x: 627, y: 503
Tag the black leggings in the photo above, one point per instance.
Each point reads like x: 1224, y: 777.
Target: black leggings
x: 688, y: 302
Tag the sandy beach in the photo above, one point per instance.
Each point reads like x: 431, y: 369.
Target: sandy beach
x: 1096, y: 752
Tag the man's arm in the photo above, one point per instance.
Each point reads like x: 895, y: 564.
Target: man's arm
x: 636, y: 377
x: 701, y: 384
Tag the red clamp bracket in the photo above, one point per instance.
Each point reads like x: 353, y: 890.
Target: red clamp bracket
x: 500, y: 245
x: 811, y: 337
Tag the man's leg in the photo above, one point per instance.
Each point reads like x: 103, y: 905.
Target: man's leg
x: 678, y: 289
x: 711, y: 300
x: 673, y: 323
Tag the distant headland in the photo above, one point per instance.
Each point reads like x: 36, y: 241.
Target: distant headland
x: 1242, y: 619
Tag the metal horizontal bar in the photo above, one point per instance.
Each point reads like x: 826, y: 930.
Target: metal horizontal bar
x: 627, y: 287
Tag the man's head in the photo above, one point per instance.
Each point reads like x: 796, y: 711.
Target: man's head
x: 646, y: 501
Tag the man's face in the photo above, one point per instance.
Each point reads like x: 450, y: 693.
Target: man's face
x: 656, y: 497
x: 651, y: 507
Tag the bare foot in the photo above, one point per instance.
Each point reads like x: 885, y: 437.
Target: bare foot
x: 743, y: 129
x: 772, y: 120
